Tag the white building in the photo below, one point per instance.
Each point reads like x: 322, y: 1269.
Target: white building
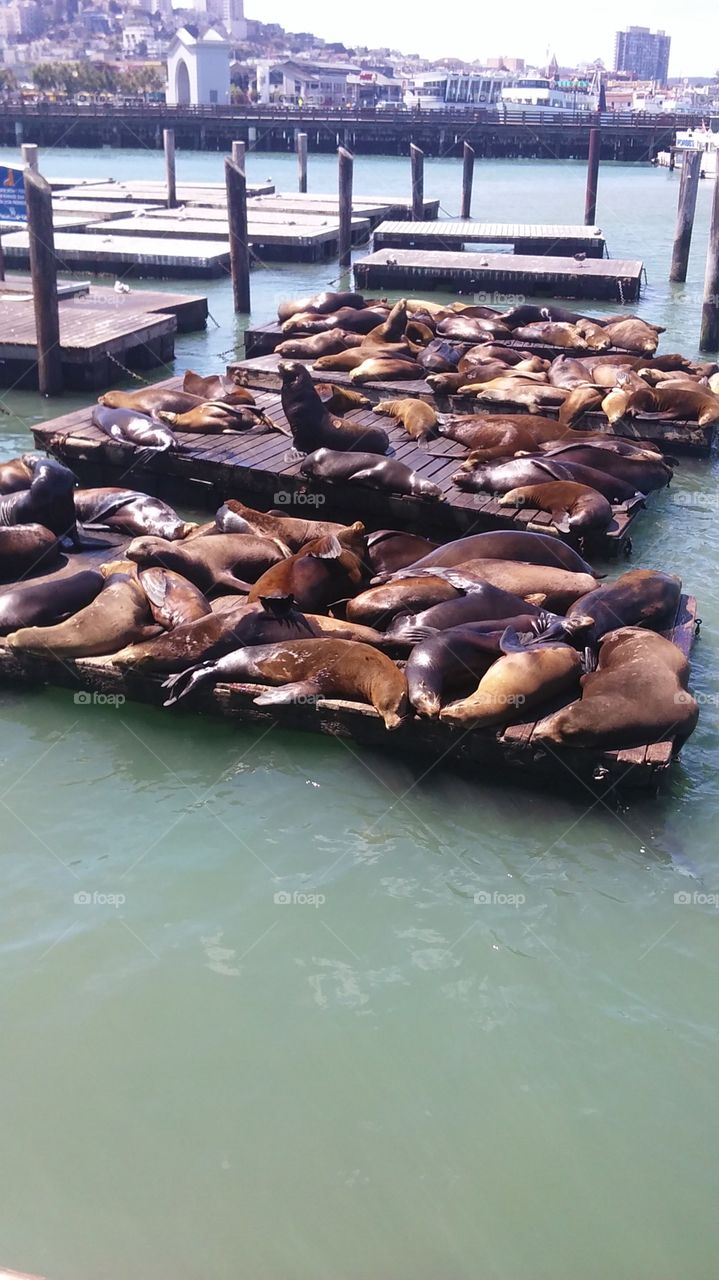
x: 231, y: 13
x: 198, y: 69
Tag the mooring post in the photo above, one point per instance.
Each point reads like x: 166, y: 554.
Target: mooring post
x: 43, y: 271
x: 2, y: 261
x: 467, y: 178
x: 301, y: 143
x: 28, y: 151
x: 688, y: 187
x: 236, y: 185
x: 416, y: 160
x: 239, y: 152
x: 590, y: 198
x: 168, y: 142
x: 709, y: 336
x: 346, y: 164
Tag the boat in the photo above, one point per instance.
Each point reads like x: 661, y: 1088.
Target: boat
x: 704, y: 139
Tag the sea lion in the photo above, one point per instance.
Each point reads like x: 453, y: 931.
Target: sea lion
x: 26, y: 547
x: 236, y: 624
x: 555, y: 334
x: 519, y: 391
x: 503, y: 544
x: 44, y: 601
x: 329, y: 343
x: 340, y: 400
x: 306, y: 669
x: 210, y: 417
x: 387, y: 474
x: 173, y: 600
x: 149, y: 400
x: 637, y: 695
x: 389, y: 550
x: 499, y: 434
x: 378, y: 606
x: 515, y: 684
x: 312, y: 426
x: 640, y: 597
x: 643, y: 474
x: 381, y: 369
x: 418, y: 418
x: 557, y: 588
x: 537, y: 469
x: 440, y: 355
x: 391, y: 329
x: 484, y: 604
x: 574, y: 508
x: 127, y: 426
x: 467, y: 328
x: 15, y: 474
x: 323, y: 303
x: 346, y: 361
x: 446, y: 384
x: 48, y: 501
x: 317, y: 575
x: 288, y: 532
x: 130, y: 511
x: 676, y: 400
x: 227, y: 560
x: 117, y: 616
x: 352, y: 320
x: 215, y: 387
x: 534, y: 313
x: 633, y: 334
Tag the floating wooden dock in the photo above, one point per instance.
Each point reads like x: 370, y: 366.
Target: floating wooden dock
x: 416, y: 269
x: 526, y: 238
x: 311, y: 241
x: 145, y: 256
x: 258, y: 469
x: 376, y: 208
x: 98, y: 329
x: 513, y: 750
x: 151, y: 192
x: 675, y: 436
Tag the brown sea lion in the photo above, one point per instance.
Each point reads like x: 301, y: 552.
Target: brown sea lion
x: 644, y: 474
x: 353, y: 321
x: 515, y: 684
x: 307, y: 669
x: 445, y: 384
x: 322, y: 572
x: 391, y: 329
x: 390, y: 549
x: 346, y: 361
x: 15, y: 474
x: 340, y: 400
x: 210, y: 417
x: 173, y: 600
x: 637, y: 695
x: 484, y: 604
x: 555, y: 334
x: 574, y: 508
x: 312, y: 426
x: 418, y: 418
x: 44, y: 601
x: 640, y: 597
x: 557, y: 588
x: 466, y: 328
x: 500, y: 477
x: 541, y: 313
x: 150, y: 399
x: 25, y: 548
x: 288, y: 532
x: 215, y: 386
x: 227, y: 560
x: 130, y: 511
x: 503, y: 544
x: 387, y: 474
x: 328, y: 343
x: 377, y: 606
x: 381, y: 369
x: 521, y: 391
x: 677, y: 400
x: 633, y: 334
x: 117, y: 616
x: 323, y: 303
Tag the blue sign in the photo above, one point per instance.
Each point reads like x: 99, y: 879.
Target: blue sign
x: 12, y: 195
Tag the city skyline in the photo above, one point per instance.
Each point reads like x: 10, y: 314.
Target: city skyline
x: 526, y: 32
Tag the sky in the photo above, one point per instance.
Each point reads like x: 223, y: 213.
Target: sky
x: 575, y: 32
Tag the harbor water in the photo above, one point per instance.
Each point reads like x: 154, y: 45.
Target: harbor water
x: 276, y: 1007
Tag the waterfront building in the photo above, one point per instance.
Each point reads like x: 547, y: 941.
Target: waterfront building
x: 642, y: 53
x: 198, y: 69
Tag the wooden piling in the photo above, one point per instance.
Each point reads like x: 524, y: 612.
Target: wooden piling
x: 346, y: 163
x: 301, y: 143
x: 43, y: 270
x: 416, y: 159
x: 590, y: 198
x: 29, y: 151
x: 168, y: 142
x: 709, y: 336
x: 236, y: 185
x: 689, y: 185
x: 239, y: 151
x: 467, y: 177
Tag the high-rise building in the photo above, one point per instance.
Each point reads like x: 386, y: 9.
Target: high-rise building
x: 643, y: 53
x: 231, y: 13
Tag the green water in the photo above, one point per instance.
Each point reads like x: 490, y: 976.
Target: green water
x: 384, y: 1077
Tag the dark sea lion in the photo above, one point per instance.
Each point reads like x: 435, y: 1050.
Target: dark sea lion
x: 312, y: 426
x: 389, y: 550
x: 48, y: 501
x: 25, y: 548
x: 445, y: 384
x: 503, y: 544
x: 538, y: 469
x: 173, y: 600
x: 323, y: 303
x: 117, y: 616
x: 130, y: 511
x: 441, y: 355
x: 329, y: 343
x: 288, y: 532
x: 534, y: 313
x: 640, y: 597
x: 574, y: 508
x: 637, y: 695
x: 322, y: 572
x: 307, y: 669
x: 643, y: 474
x: 484, y: 604
x: 418, y: 418
x: 215, y: 387
x: 227, y: 560
x: 352, y: 320
x: 15, y: 474
x: 42, y: 602
x: 127, y: 426
x: 557, y: 588
x: 387, y: 474
x: 515, y: 684
x: 382, y: 369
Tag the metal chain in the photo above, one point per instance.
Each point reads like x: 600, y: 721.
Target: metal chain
x: 129, y: 372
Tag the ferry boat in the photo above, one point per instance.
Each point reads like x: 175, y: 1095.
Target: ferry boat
x: 704, y: 139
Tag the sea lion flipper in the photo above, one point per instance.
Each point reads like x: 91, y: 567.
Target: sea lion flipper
x: 561, y: 521
x: 415, y: 635
x: 328, y: 548
x: 286, y: 693
x: 180, y: 685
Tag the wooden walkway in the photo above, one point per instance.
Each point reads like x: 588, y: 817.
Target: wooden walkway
x: 527, y: 238
x: 376, y: 208
x: 257, y: 468
x: 311, y: 241
x: 108, y: 254
x: 677, y: 437
x: 512, y: 751
x: 463, y: 273
x: 151, y: 192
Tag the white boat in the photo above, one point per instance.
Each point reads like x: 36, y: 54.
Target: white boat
x: 704, y: 139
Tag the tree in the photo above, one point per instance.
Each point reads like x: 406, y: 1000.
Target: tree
x: 45, y: 76
x: 8, y: 80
